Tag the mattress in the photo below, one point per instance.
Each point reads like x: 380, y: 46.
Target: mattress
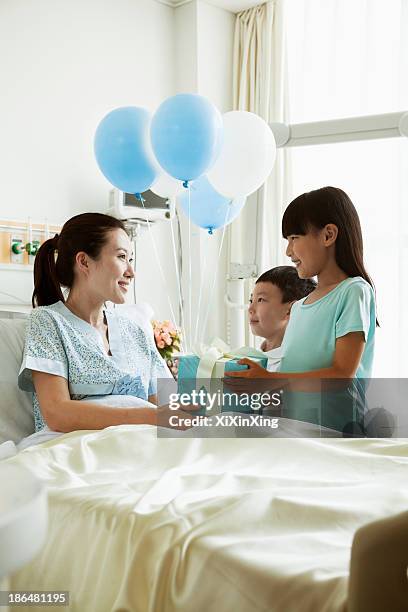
x: 140, y: 523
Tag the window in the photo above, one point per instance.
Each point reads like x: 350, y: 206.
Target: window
x: 349, y: 58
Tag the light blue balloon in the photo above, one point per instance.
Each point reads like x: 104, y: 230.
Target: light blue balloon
x: 122, y: 149
x: 209, y: 209
x: 186, y: 135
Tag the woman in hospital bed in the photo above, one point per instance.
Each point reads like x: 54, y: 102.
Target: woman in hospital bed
x: 78, y: 355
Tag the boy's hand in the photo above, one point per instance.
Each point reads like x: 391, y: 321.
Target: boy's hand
x: 254, y: 379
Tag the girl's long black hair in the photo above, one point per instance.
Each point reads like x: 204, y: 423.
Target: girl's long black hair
x: 314, y: 210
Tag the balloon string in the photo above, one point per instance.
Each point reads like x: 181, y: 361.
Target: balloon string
x: 183, y: 329
x: 199, y: 301
x: 139, y: 197
x: 189, y: 270
x: 210, y: 297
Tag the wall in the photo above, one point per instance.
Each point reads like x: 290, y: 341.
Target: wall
x: 215, y: 44
x: 204, y: 35
x: 63, y: 66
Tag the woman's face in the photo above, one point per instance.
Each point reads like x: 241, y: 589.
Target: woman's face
x: 111, y: 274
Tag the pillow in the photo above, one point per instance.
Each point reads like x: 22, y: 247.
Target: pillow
x: 16, y: 408
x: 141, y: 313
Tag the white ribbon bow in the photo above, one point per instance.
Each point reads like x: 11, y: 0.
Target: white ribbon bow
x: 219, y: 350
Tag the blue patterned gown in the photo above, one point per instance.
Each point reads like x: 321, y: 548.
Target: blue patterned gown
x: 59, y: 342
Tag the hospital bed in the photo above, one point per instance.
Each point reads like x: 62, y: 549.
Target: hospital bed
x: 141, y: 523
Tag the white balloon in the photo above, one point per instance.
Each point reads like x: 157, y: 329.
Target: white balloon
x: 247, y: 155
x: 166, y: 186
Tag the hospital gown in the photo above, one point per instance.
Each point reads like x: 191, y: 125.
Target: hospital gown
x: 58, y: 342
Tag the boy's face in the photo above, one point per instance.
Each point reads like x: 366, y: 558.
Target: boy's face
x: 267, y: 314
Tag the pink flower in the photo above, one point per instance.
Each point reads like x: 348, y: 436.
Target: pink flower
x: 167, y: 336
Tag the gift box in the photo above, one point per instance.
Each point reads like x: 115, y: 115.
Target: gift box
x: 204, y: 370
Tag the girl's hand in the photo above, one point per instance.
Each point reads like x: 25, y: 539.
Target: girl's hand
x: 255, y: 379
x: 254, y: 370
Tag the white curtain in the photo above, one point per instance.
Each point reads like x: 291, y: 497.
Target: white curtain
x: 260, y: 86
x: 345, y: 59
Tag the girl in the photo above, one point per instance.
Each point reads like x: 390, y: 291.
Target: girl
x: 330, y: 333
x: 78, y: 355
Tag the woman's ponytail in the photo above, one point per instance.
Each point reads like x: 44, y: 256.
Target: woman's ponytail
x: 47, y: 289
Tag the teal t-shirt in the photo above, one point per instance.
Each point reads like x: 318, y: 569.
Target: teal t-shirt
x: 309, y: 344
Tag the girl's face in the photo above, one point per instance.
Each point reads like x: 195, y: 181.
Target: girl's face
x: 267, y: 313
x: 309, y: 252
x: 109, y: 276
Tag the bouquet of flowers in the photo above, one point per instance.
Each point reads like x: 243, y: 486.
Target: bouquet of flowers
x: 168, y: 339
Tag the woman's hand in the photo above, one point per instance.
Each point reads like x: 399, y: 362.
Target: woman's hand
x: 255, y: 379
x: 165, y: 416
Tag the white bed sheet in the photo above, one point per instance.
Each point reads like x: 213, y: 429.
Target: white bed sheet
x: 145, y: 524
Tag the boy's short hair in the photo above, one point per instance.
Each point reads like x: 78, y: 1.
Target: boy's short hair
x: 287, y: 280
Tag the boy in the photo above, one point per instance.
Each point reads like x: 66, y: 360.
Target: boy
x: 274, y: 293
x: 269, y: 309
